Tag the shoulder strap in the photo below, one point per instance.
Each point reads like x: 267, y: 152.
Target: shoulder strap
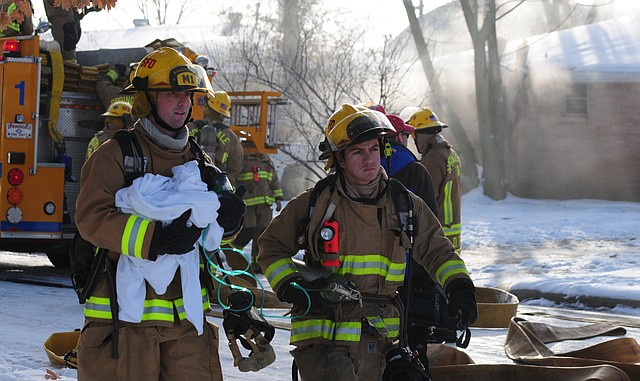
x: 301, y: 236
x: 404, y: 206
x: 132, y: 156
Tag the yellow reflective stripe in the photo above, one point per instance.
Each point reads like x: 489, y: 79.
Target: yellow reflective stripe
x: 388, y: 327
x: 372, y: 264
x: 325, y: 329
x: 278, y: 193
x: 453, y: 230
x: 225, y: 157
x: 276, y: 271
x: 133, y: 236
x: 259, y: 200
x: 154, y: 309
x: 14, y: 24
x: 447, y: 204
x: 97, y: 307
x: 245, y: 176
x: 248, y: 176
x: 450, y: 268
x: 157, y: 309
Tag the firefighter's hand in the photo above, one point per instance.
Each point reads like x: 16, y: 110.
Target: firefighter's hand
x: 304, y: 295
x: 231, y: 211
x: 462, y: 302
x: 278, y: 205
x: 175, y: 238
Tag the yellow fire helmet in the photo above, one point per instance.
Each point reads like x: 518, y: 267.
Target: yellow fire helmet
x: 352, y: 124
x: 117, y: 109
x: 425, y: 120
x: 220, y: 102
x: 166, y: 69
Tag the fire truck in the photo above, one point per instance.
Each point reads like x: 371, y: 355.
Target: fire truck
x: 45, y: 130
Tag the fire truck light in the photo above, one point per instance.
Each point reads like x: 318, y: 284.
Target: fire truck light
x: 15, y: 177
x: 14, y: 196
x: 14, y: 215
x: 19, y: 118
x: 11, y: 48
x: 49, y: 208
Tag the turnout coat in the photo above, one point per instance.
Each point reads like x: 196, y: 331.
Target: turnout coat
x: 373, y: 254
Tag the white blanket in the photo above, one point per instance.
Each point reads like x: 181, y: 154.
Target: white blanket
x: 161, y: 198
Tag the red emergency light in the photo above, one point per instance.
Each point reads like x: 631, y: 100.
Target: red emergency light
x: 11, y: 48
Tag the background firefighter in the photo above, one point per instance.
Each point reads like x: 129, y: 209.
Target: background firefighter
x: 260, y: 177
x: 443, y: 164
x: 349, y: 341
x: 220, y: 143
x: 117, y: 117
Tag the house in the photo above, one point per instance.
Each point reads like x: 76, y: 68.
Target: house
x: 577, y: 129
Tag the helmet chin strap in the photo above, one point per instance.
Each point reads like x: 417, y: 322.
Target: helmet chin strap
x: 162, y: 123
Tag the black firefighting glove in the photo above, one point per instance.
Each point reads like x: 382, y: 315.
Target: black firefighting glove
x: 462, y: 302
x: 231, y: 211
x: 293, y: 293
x: 175, y: 238
x: 117, y: 71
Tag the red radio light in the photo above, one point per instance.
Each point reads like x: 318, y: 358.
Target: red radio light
x: 14, y: 196
x: 15, y: 177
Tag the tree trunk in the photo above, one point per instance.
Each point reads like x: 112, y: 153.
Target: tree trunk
x: 465, y: 148
x: 489, y: 99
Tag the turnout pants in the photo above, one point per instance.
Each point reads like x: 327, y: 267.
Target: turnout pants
x: 331, y: 362
x: 149, y: 353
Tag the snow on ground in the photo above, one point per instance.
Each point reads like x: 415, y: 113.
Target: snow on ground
x: 576, y: 249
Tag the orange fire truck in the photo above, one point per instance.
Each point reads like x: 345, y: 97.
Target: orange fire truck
x: 44, y: 134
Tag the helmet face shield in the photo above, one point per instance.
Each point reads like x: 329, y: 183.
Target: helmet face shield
x: 352, y: 124
x: 189, y: 78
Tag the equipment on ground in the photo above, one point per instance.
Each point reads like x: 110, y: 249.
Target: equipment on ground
x: 60, y: 348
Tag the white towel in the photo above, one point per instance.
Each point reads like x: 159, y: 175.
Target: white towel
x: 161, y: 198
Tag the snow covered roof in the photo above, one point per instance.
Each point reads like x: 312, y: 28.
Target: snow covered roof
x: 604, y: 50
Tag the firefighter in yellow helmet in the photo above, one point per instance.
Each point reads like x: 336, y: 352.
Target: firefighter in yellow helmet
x: 443, y: 164
x: 349, y: 228
x: 216, y: 138
x: 117, y: 117
x: 164, y: 334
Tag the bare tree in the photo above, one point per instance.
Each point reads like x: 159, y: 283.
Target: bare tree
x: 158, y: 10
x: 317, y: 65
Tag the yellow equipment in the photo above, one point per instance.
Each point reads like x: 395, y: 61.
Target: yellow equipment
x: 60, y: 348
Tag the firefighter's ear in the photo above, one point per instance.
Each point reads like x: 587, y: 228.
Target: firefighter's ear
x: 340, y: 159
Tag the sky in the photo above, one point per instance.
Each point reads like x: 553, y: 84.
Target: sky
x: 387, y: 16
x: 586, y: 249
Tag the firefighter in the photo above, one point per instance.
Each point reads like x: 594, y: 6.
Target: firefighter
x: 110, y: 84
x: 443, y: 164
x: 65, y: 27
x: 16, y: 28
x: 162, y: 342
x: 226, y: 149
x: 353, y: 232
x: 260, y: 178
x: 117, y: 117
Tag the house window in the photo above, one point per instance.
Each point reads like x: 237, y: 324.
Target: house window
x: 575, y: 100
